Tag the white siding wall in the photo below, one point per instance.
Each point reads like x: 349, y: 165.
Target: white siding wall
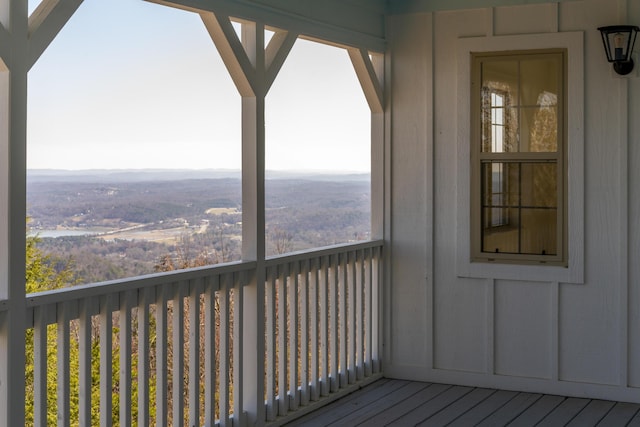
x: 573, y: 338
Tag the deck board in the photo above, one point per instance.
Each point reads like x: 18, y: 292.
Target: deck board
x: 538, y: 411
x: 343, y: 407
x: 428, y: 409
x: 511, y: 410
x: 410, y: 404
x: 591, y: 414
x: 487, y: 407
x: 364, y: 414
x: 635, y: 421
x: 407, y: 403
x: 620, y: 414
x: 460, y: 406
x: 564, y: 412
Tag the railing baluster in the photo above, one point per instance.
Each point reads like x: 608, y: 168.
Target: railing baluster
x: 304, y: 333
x: 367, y: 309
x: 84, y: 374
x: 313, y: 292
x: 194, y: 352
x: 106, y: 359
x: 342, y: 295
x: 359, y: 315
x: 293, y: 336
x: 63, y: 378
x: 333, y: 304
x: 125, y: 357
x: 177, y: 342
x: 324, y: 325
x: 270, y: 330
x: 283, y: 403
x: 376, y: 320
x: 144, y: 299
x: 161, y: 355
x: 351, y: 283
x: 210, y: 349
x: 224, y: 350
x: 40, y: 365
x: 238, y: 327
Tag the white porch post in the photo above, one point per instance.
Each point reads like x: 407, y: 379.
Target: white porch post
x: 13, y: 124
x: 253, y: 70
x: 370, y: 69
x: 23, y: 39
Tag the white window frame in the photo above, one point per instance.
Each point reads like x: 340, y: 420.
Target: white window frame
x: 573, y: 272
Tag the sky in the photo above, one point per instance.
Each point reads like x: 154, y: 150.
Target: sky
x: 132, y: 85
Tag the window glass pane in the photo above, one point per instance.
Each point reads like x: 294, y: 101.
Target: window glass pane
x: 539, y: 231
x: 539, y: 185
x: 499, y: 126
x: 539, y: 129
x: 539, y: 81
x: 501, y: 75
x: 501, y: 184
x: 499, y: 96
x: 519, y: 207
x: 503, y: 238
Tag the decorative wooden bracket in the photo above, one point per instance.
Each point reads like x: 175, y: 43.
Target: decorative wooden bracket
x: 231, y: 51
x: 46, y: 22
x: 252, y: 69
x: 369, y: 69
x: 4, y: 47
x: 276, y: 53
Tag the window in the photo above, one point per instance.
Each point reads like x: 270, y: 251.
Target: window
x: 518, y: 176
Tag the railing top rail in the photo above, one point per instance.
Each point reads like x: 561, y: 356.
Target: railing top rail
x: 320, y: 252
x: 139, y: 282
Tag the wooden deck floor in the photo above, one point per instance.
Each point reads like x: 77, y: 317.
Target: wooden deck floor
x: 406, y: 403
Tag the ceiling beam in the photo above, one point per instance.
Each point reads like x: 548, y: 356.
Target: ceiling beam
x: 279, y: 18
x: 419, y: 6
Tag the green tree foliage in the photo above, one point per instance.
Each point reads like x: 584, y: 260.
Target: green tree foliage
x: 43, y: 274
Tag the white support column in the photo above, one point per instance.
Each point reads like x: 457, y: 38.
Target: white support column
x: 253, y: 70
x: 13, y: 124
x: 370, y: 69
x: 253, y: 226
x: 18, y: 52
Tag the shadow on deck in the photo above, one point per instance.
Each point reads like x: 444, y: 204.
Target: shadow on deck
x: 406, y: 403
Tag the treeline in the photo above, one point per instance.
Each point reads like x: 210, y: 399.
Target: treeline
x: 86, y: 205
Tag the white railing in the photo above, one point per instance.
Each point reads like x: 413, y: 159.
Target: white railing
x: 322, y: 316
x: 118, y: 353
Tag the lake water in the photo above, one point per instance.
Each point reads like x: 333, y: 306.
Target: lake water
x: 62, y: 233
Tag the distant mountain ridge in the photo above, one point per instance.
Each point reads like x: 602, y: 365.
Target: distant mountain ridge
x: 142, y: 175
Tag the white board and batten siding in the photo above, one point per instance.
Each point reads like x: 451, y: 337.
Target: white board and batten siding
x: 573, y: 331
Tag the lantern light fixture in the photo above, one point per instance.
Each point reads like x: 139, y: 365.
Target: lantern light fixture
x: 618, y: 43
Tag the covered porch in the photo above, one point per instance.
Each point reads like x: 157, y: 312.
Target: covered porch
x: 355, y: 326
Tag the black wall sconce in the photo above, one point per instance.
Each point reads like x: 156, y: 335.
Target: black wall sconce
x: 618, y: 43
